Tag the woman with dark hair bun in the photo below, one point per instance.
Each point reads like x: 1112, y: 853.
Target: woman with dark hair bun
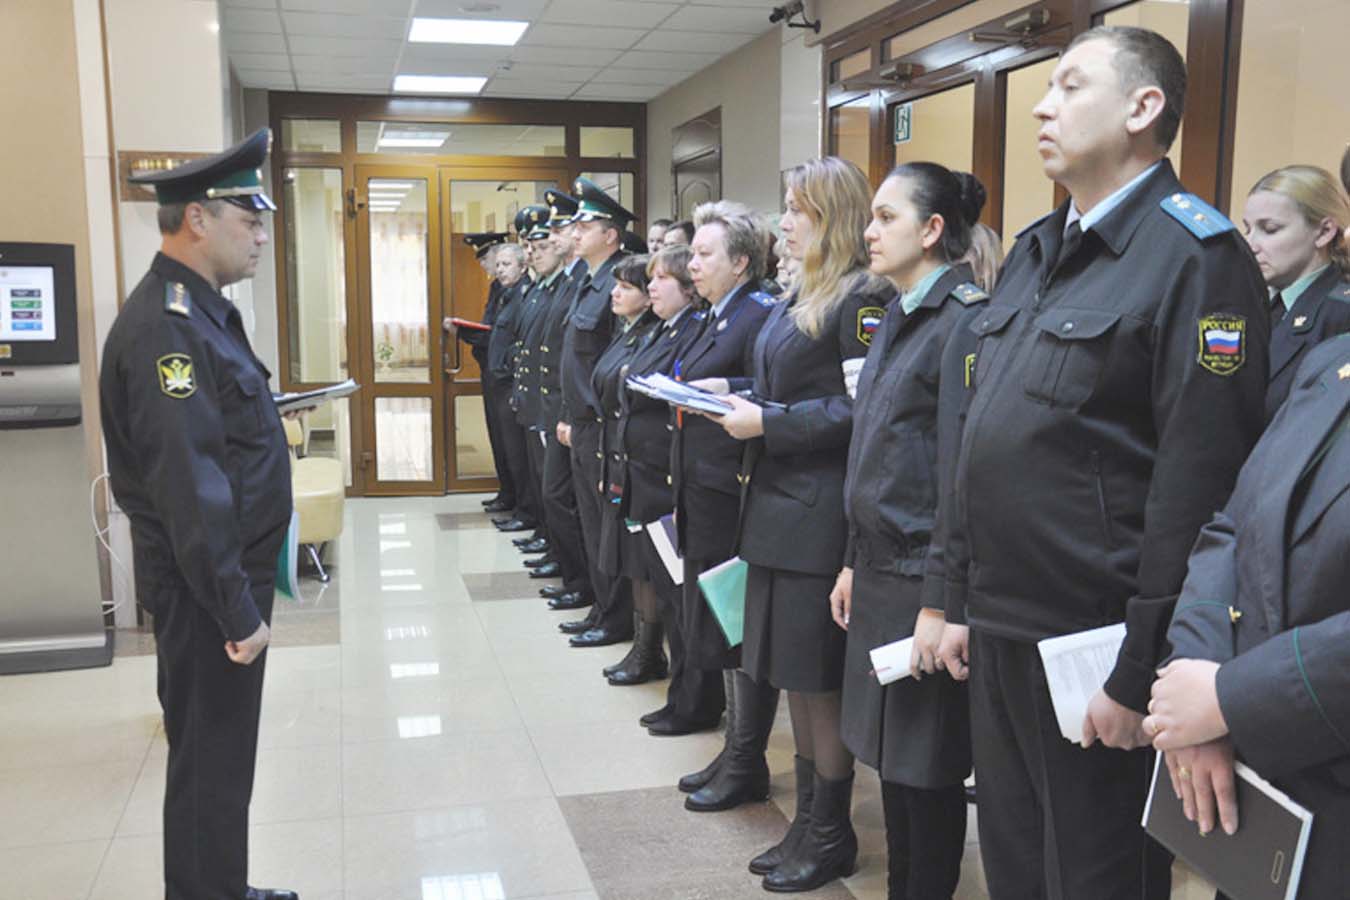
x: 914, y: 731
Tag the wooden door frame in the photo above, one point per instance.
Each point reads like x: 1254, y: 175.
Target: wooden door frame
x: 364, y: 360
x: 548, y: 171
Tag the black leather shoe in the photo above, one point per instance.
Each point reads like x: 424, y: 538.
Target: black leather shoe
x: 514, y: 525
x: 491, y: 500
x: 743, y: 775
x: 537, y: 562
x: 547, y: 570
x: 648, y: 661
x: 498, y: 506
x: 501, y: 520
x: 599, y: 637
x: 673, y: 726
x: 538, y: 545
x: 576, y: 626
x: 695, y: 780
x: 656, y: 715
x: 829, y: 848
x: 575, y: 600
x: 552, y: 591
x: 270, y: 894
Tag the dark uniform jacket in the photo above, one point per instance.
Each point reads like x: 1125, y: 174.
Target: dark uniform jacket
x: 1321, y: 311
x: 906, y: 429
x: 505, y: 334
x: 792, y: 514
x: 642, y: 433
x: 590, y: 327
x: 550, y: 348
x: 1268, y: 596
x: 196, y: 452
x: 1117, y: 393
x: 608, y: 378
x: 533, y: 319
x: 705, y: 461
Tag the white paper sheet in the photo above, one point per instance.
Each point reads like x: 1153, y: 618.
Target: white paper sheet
x: 890, y: 662
x: 1076, y: 666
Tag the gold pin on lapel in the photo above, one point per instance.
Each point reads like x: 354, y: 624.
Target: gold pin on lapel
x: 1344, y: 371
x: 1299, y: 321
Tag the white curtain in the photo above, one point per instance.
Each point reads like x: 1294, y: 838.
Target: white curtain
x: 398, y: 284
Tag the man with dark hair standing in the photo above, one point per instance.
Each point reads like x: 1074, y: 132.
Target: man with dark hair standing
x: 655, y: 232
x: 600, y: 224
x: 1119, y: 382
x: 197, y: 459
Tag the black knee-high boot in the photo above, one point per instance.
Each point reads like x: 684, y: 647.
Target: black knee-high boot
x: 744, y: 773
x: 828, y: 850
x: 695, y: 780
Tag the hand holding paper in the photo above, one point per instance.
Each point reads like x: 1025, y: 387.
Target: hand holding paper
x: 1076, y: 667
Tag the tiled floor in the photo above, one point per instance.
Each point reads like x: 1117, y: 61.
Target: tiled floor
x: 427, y: 734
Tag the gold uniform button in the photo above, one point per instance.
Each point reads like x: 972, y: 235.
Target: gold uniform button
x: 670, y: 480
x: 599, y: 455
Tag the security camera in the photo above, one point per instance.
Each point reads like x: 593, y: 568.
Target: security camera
x: 791, y: 8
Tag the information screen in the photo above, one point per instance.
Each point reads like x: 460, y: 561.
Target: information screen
x: 27, y: 304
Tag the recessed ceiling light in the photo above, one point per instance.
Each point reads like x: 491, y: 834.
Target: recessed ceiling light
x: 439, y: 84
x: 501, y: 32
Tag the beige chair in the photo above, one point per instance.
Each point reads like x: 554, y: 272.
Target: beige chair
x: 317, y: 486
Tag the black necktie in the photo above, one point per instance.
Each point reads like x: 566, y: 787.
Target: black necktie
x: 1073, y: 239
x: 1276, y: 310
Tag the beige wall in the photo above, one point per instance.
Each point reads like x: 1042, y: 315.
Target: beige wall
x: 745, y: 84
x: 1293, y: 103
x: 799, y: 99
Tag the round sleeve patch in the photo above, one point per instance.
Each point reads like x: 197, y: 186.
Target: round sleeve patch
x: 175, y: 375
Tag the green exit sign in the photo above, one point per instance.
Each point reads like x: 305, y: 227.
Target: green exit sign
x: 904, y: 122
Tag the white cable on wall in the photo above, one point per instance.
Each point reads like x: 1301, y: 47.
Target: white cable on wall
x: 102, y: 535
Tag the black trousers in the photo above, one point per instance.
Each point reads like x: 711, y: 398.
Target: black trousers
x: 925, y: 839
x: 1057, y: 822
x: 517, y: 459
x: 534, y: 460
x: 613, y: 608
x: 693, y: 693
x: 211, y: 708
x: 506, y: 483
x: 562, y: 519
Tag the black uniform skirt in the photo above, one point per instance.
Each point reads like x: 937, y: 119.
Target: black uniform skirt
x: 790, y: 639
x: 915, y: 733
x: 705, y: 646
x: 631, y: 554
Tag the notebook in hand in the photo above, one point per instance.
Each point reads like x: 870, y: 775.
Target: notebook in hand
x: 1262, y: 861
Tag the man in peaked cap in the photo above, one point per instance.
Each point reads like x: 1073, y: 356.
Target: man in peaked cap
x: 484, y: 245
x: 198, y: 461
x: 600, y: 224
x: 559, y: 493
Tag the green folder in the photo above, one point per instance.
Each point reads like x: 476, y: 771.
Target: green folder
x: 723, y: 587
x: 288, y: 560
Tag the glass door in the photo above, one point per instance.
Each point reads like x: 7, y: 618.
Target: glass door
x: 399, y: 336
x: 476, y: 200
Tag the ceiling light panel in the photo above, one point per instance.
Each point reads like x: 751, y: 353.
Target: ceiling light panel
x: 498, y: 32
x: 438, y: 84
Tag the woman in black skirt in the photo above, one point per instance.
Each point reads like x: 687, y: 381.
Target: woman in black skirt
x: 916, y: 731
x: 621, y: 540
x: 638, y: 447
x: 729, y: 260
x: 792, y: 534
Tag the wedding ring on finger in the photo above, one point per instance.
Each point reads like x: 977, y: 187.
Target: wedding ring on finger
x: 1183, y: 773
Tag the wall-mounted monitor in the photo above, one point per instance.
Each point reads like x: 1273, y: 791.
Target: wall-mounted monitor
x: 37, y: 305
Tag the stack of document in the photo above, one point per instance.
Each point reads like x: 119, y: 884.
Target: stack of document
x: 677, y: 393
x: 890, y: 662
x: 1076, y: 667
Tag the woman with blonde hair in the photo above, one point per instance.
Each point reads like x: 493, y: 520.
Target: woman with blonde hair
x: 1295, y: 220
x: 793, y: 529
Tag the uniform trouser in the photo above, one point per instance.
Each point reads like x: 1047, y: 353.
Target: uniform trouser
x: 925, y: 838
x: 517, y: 459
x: 562, y: 520
x: 613, y: 608
x: 211, y: 708
x: 505, y: 485
x: 1056, y: 822
x: 693, y: 694
x: 534, y: 459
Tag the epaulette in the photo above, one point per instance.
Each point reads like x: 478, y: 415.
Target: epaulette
x: 1199, y: 218
x: 763, y: 298
x: 177, y: 300
x: 969, y: 293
